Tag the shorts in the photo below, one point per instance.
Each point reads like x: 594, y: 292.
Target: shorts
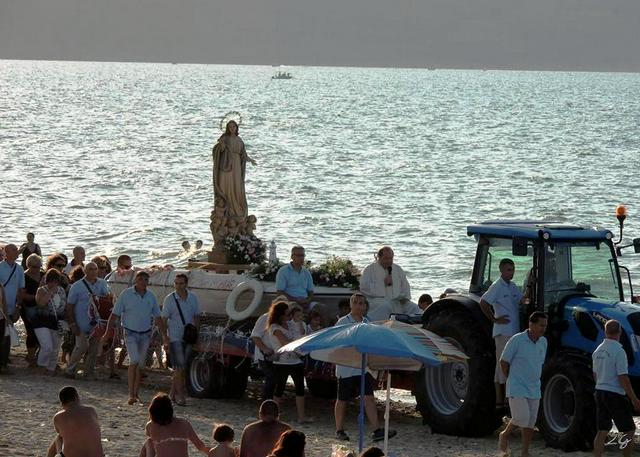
x: 524, y: 411
x: 179, y: 353
x: 349, y: 388
x: 137, y: 345
x: 501, y: 342
x: 611, y: 406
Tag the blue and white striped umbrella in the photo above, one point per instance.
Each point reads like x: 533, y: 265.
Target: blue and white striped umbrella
x: 386, y: 345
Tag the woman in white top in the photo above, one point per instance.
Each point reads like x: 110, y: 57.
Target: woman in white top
x: 288, y: 364
x: 48, y: 322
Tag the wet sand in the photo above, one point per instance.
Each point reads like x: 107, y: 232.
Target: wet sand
x: 28, y: 402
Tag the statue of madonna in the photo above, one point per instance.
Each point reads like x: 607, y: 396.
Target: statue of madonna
x: 229, y: 165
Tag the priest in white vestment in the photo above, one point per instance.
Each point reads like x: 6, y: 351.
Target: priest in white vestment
x: 386, y: 287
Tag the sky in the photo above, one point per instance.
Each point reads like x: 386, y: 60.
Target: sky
x: 602, y: 35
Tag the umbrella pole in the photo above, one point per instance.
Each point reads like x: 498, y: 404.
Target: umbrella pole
x: 361, y: 416
x: 386, y: 413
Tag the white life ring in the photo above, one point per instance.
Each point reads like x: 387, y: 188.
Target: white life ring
x: 249, y: 284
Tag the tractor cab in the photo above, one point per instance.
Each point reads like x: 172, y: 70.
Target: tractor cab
x: 553, y: 262
x: 568, y: 271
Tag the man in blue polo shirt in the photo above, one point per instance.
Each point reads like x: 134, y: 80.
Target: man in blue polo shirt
x: 179, y: 309
x: 610, y: 370
x: 12, y: 280
x: 78, y: 301
x: 521, y: 363
x: 137, y: 308
x: 294, y: 280
x: 505, y: 298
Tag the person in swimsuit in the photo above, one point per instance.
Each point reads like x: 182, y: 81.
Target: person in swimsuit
x: 259, y: 438
x: 169, y: 436
x: 28, y: 248
x: 77, y: 427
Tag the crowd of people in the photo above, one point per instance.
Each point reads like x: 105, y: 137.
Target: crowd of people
x: 72, y: 319
x: 73, y: 323
x: 78, y: 433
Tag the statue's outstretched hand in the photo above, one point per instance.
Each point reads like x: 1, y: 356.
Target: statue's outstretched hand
x: 253, y: 162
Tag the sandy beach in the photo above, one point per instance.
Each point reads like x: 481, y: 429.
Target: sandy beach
x: 28, y: 402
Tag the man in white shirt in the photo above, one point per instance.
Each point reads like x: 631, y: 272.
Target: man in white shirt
x: 349, y: 380
x: 12, y: 282
x: 78, y: 260
x: 180, y: 308
x: 386, y: 287
x: 613, y: 391
x: 501, y: 305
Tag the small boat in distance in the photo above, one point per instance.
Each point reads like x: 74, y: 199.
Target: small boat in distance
x: 282, y: 75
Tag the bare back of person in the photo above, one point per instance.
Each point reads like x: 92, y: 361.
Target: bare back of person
x: 223, y: 450
x: 259, y: 438
x: 172, y: 440
x: 80, y: 431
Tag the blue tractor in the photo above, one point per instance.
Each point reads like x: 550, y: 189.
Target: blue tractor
x: 572, y: 273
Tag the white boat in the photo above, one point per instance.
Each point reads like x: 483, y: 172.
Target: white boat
x: 251, y: 297
x: 231, y: 301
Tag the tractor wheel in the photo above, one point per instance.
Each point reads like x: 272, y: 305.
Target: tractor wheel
x: 323, y: 388
x: 459, y: 398
x: 568, y: 405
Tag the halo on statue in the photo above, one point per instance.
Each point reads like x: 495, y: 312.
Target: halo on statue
x: 230, y: 116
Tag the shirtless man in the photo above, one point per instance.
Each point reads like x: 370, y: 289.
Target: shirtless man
x: 258, y: 438
x: 77, y: 427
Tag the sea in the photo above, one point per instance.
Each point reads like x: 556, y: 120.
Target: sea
x: 116, y: 157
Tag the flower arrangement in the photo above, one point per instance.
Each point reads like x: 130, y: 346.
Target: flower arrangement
x: 336, y: 272
x: 245, y: 249
x: 266, y: 271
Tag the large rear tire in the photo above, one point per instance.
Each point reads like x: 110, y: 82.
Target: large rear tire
x: 459, y: 398
x: 567, y: 405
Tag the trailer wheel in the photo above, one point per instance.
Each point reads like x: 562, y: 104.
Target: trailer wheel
x: 199, y: 373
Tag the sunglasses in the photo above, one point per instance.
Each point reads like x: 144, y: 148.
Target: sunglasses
x: 126, y: 267
x: 59, y: 265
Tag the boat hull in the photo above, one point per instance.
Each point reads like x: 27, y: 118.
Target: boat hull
x: 213, y: 289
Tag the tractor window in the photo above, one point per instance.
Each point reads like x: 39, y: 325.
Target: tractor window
x: 499, y: 249
x: 573, y: 268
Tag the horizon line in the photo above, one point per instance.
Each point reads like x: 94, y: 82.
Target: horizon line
x: 373, y: 67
